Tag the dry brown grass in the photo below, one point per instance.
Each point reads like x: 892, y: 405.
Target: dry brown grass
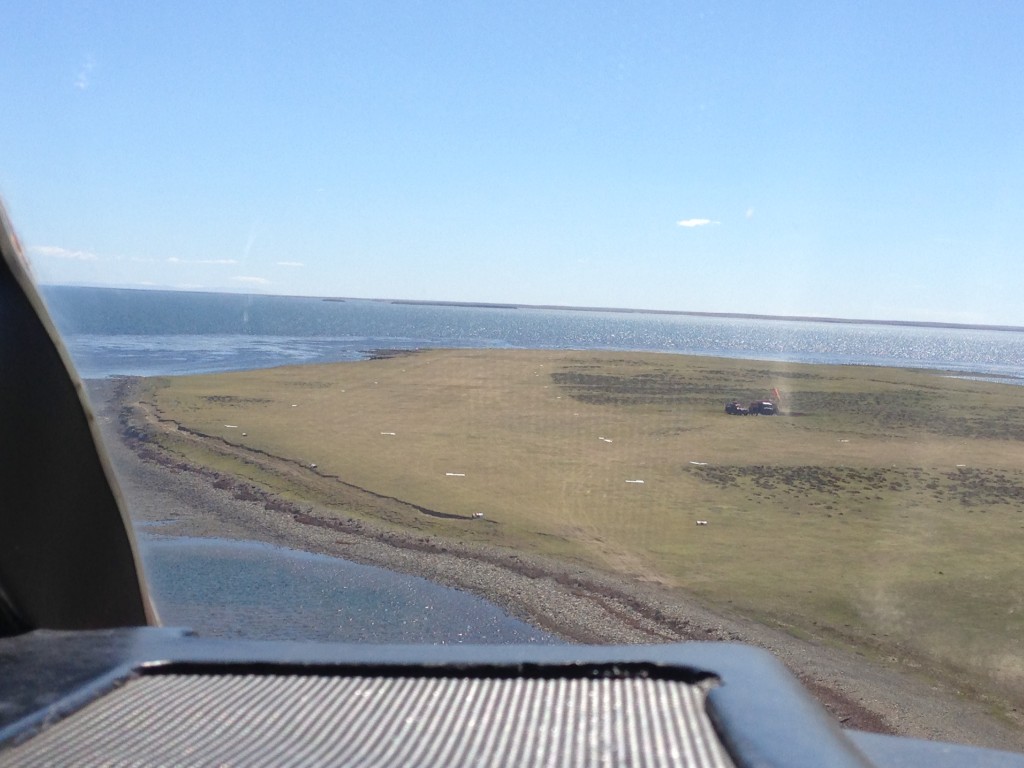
x: 884, y: 507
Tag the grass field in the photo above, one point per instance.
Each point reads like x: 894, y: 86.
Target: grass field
x: 882, y: 508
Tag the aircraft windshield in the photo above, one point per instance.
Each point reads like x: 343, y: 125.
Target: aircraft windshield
x: 457, y: 323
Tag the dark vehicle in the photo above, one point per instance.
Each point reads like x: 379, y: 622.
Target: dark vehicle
x: 762, y: 408
x: 735, y: 409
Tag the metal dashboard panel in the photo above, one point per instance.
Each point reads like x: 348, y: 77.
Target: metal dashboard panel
x: 280, y: 720
x: 122, y: 697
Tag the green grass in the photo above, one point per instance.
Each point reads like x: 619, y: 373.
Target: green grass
x: 883, y: 507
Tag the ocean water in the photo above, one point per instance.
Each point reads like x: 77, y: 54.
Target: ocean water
x: 147, y: 333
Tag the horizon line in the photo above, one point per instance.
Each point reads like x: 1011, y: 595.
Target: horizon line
x: 573, y: 308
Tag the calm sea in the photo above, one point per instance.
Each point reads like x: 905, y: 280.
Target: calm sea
x: 146, y: 333
x: 255, y: 590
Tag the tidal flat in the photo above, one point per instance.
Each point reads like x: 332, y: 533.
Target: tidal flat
x: 881, y: 511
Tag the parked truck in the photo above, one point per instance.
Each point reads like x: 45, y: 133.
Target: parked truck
x: 756, y: 408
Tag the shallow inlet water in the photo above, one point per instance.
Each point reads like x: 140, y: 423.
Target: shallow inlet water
x: 248, y: 589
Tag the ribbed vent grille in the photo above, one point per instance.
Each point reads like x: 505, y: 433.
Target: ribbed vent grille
x: 271, y: 720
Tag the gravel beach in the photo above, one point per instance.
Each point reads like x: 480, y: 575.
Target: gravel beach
x: 577, y: 604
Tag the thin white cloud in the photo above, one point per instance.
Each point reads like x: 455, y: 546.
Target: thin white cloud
x: 176, y: 260
x: 82, y: 78
x: 750, y: 213
x: 251, y: 280
x: 57, y: 252
x: 692, y: 223
x: 290, y: 264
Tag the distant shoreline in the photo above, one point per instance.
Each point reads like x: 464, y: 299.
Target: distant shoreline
x: 693, y: 313
x: 615, y: 310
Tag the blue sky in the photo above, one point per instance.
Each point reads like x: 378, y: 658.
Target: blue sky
x: 851, y: 159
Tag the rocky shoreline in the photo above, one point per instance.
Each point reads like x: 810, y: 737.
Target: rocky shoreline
x: 575, y: 603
